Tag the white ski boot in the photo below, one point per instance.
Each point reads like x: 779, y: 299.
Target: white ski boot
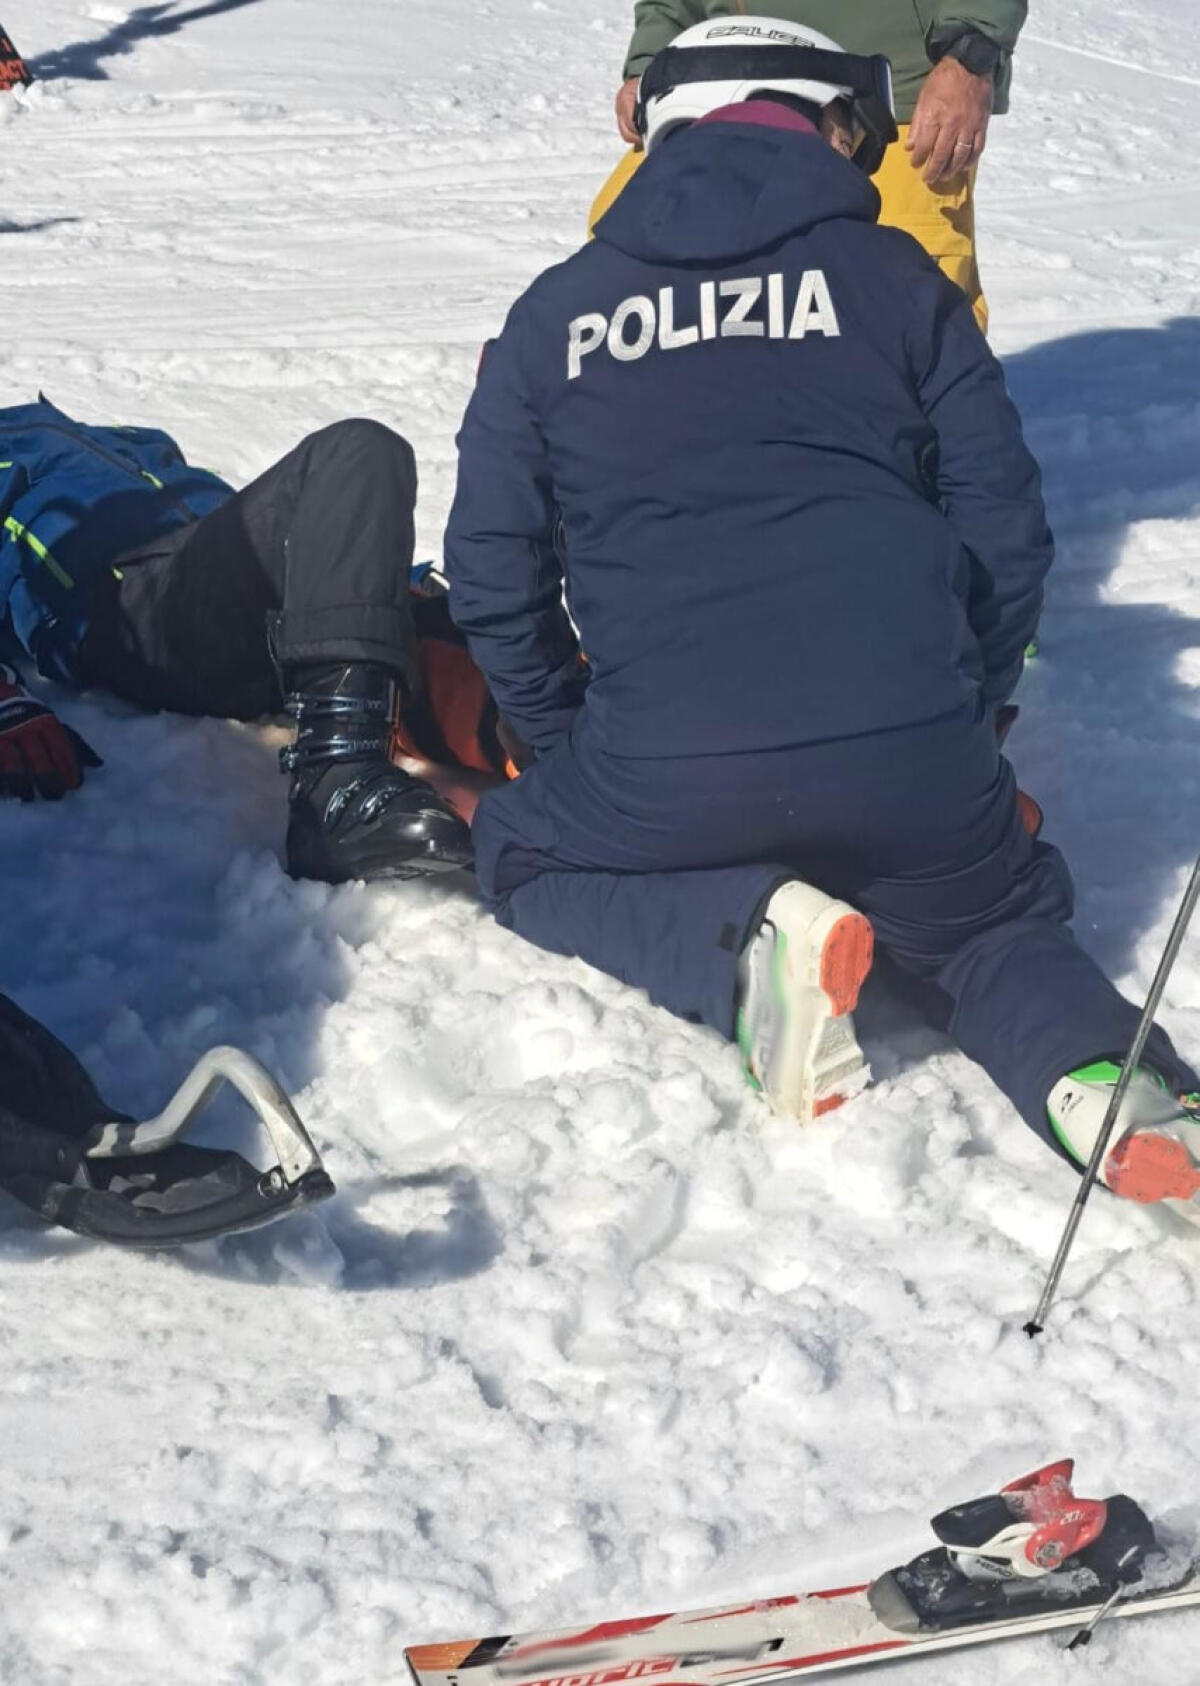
x: 800, y: 976
x: 1155, y: 1154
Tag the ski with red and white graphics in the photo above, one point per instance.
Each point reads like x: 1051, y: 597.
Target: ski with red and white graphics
x: 1030, y: 1559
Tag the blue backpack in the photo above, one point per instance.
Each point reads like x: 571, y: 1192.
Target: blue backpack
x: 73, y: 500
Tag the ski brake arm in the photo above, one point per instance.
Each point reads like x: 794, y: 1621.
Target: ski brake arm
x: 143, y: 1185
x: 292, y: 1143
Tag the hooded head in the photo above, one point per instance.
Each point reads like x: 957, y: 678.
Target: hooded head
x: 732, y: 183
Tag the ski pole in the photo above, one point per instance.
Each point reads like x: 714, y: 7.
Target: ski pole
x: 1038, y: 1321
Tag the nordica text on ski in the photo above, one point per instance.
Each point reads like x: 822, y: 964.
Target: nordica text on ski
x: 748, y: 306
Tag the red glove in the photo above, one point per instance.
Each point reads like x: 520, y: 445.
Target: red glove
x: 39, y: 756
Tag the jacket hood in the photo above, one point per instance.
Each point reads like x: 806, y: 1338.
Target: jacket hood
x: 718, y: 192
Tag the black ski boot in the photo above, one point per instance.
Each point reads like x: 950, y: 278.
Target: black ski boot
x: 352, y: 813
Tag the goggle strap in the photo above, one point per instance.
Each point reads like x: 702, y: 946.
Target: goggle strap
x: 863, y: 74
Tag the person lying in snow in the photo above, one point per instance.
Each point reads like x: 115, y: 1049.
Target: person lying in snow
x: 123, y: 566
x: 805, y: 546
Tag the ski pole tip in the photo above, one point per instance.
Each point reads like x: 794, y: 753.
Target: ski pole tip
x: 1033, y: 1328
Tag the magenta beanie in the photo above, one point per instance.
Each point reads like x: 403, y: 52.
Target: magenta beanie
x: 767, y: 114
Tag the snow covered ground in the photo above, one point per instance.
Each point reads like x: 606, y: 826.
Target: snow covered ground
x: 586, y: 1332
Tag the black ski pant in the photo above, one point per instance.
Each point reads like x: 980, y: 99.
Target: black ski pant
x: 657, y: 871
x: 308, y: 564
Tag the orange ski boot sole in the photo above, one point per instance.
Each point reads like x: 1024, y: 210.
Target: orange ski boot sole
x: 846, y: 962
x: 846, y: 959
x: 1149, y: 1168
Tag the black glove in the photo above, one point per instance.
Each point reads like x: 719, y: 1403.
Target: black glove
x: 39, y: 756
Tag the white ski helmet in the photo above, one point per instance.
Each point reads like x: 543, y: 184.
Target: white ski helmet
x: 717, y: 63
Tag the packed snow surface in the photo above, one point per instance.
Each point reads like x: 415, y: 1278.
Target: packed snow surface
x: 586, y: 1332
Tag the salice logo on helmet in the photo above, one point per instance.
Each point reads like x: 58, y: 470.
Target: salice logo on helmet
x: 746, y: 307
x: 755, y: 31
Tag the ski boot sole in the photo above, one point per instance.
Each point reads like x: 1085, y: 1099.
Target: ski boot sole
x: 846, y: 959
x: 1148, y: 1168
x: 822, y: 958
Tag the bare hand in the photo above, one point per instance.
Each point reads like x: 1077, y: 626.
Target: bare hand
x: 949, y: 125
x: 626, y: 100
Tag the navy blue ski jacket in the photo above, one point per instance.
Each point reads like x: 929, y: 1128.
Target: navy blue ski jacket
x: 795, y: 500
x: 73, y: 500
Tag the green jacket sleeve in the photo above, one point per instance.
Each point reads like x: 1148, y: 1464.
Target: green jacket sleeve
x: 656, y: 23
x: 999, y: 20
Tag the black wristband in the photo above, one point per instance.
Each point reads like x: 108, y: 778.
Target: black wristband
x: 975, y: 53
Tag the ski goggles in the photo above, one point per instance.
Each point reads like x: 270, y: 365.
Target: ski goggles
x: 863, y: 81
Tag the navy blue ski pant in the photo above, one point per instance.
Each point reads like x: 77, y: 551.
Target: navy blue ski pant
x: 656, y: 871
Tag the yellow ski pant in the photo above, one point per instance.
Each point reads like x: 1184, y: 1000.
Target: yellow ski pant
x: 942, y: 218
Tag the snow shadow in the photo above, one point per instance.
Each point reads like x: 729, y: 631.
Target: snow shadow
x: 7, y: 227
x: 334, y: 1246
x: 84, y: 60
x: 1108, y: 740
x: 463, y: 1243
